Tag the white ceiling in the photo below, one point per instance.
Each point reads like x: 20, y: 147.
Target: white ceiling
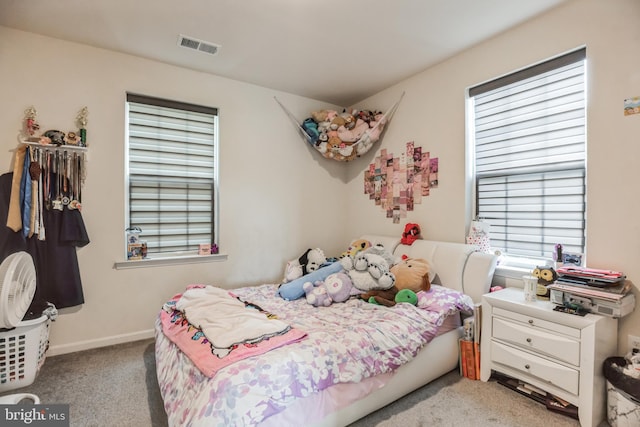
x: 335, y: 51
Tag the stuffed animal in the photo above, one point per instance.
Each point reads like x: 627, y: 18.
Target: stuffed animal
x: 368, y: 271
x: 337, y: 287
x: 311, y: 129
x: 379, y: 249
x: 324, y: 127
x: 365, y: 115
x: 309, y: 261
x: 372, y: 135
x: 336, y: 122
x: 354, y: 133
x: 355, y: 247
x: 391, y: 297
x: 339, y: 150
x: 408, y: 296
x: 412, y: 274
x: 316, y: 294
x: 384, y: 297
x: 324, y: 115
x: 292, y: 271
x: 349, y: 120
x: 546, y: 276
x: 293, y: 290
x: 411, y: 234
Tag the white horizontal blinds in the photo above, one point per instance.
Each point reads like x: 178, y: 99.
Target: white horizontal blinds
x: 171, y: 173
x: 530, y: 158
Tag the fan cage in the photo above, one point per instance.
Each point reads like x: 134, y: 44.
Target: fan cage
x: 22, y: 352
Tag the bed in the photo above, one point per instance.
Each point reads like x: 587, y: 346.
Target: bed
x: 331, y: 365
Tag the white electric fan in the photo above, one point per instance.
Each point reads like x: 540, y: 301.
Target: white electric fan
x: 17, y: 288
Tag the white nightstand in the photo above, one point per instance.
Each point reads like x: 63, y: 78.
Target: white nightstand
x: 557, y: 352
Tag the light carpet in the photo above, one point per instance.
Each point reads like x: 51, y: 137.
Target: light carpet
x: 117, y: 386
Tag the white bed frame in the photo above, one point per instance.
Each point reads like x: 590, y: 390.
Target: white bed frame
x: 456, y: 265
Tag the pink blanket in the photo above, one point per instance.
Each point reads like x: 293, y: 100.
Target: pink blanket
x: 197, y: 347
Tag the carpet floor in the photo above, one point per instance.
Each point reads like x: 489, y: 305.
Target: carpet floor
x: 117, y: 387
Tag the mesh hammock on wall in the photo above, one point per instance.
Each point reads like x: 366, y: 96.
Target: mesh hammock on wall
x: 343, y: 136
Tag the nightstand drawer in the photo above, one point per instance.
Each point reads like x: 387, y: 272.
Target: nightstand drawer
x: 538, y: 323
x: 553, y: 373
x: 538, y: 340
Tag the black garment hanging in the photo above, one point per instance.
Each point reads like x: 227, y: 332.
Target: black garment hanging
x: 57, y: 261
x: 57, y: 271
x: 10, y: 241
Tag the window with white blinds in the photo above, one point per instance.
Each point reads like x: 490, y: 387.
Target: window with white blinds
x: 530, y: 154
x: 171, y: 173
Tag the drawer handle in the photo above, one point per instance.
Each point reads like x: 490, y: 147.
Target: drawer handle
x: 529, y: 340
x: 531, y: 321
x: 527, y: 366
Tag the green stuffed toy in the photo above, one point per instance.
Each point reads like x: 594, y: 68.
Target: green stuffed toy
x: 391, y: 297
x: 407, y: 295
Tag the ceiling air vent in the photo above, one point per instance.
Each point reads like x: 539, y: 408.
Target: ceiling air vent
x: 195, y: 44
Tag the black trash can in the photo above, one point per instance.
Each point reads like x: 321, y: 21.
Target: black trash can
x: 623, y: 394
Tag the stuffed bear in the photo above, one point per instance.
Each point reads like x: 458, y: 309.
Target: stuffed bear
x: 412, y: 274
x: 384, y: 297
x: 368, y: 271
x: 338, y: 150
x: 336, y: 122
x: 379, y: 249
x: 337, y: 287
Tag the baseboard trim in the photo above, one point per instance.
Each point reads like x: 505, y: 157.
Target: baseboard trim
x: 55, y: 350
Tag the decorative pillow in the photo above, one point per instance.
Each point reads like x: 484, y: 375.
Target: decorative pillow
x: 440, y: 298
x: 293, y: 290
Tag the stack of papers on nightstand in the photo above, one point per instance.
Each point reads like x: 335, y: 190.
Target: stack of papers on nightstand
x: 583, y: 276
x: 603, y: 292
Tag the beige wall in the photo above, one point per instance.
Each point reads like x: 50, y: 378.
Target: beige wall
x: 432, y: 114
x: 277, y: 196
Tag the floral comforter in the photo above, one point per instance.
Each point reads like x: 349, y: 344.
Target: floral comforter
x: 345, y: 342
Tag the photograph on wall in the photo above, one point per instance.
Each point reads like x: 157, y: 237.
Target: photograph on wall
x: 632, y: 106
x: 397, y: 184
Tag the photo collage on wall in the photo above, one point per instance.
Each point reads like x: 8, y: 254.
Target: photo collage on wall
x: 396, y: 184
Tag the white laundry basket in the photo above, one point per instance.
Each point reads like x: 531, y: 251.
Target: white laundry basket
x: 22, y: 352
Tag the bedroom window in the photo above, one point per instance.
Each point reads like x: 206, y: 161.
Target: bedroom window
x: 172, y: 174
x: 529, y: 135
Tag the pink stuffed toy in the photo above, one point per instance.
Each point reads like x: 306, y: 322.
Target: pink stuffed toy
x: 337, y: 287
x: 372, y: 135
x: 354, y: 134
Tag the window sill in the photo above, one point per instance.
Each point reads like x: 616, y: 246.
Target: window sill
x: 510, y: 270
x: 173, y: 260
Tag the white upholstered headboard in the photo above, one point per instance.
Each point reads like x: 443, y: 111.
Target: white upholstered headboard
x: 454, y: 265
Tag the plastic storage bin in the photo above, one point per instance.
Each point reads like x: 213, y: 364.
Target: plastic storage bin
x: 22, y: 352
x: 623, y: 394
